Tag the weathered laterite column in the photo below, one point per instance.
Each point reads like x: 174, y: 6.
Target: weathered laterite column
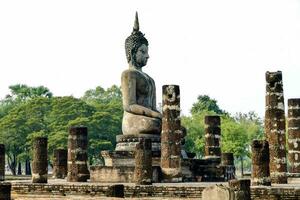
x: 77, y: 155
x: 260, y: 163
x: 227, y: 160
x: 40, y: 160
x: 171, y: 135
x: 212, y: 137
x: 60, y: 160
x: 275, y: 127
x: 241, y: 189
x: 294, y: 134
x: 143, y: 162
x: 2, y: 162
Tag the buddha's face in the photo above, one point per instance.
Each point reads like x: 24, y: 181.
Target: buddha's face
x: 141, y: 56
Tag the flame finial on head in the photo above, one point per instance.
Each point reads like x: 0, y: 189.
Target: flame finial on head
x: 136, y: 26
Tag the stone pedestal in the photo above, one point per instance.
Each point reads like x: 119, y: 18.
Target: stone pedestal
x: 40, y: 160
x: 212, y: 137
x: 171, y: 135
x: 275, y: 127
x: 60, y: 166
x: 129, y: 142
x: 143, y: 163
x: 260, y: 163
x: 5, y: 191
x: 77, y: 155
x: 294, y: 134
x: 227, y: 161
x: 2, y: 162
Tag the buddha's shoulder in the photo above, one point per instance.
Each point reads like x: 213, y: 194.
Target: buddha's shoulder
x: 131, y: 72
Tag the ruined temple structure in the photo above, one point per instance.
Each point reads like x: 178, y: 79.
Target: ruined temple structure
x: 294, y: 134
x: 260, y: 163
x: 142, y: 121
x: 40, y: 160
x: 77, y: 155
x: 275, y: 127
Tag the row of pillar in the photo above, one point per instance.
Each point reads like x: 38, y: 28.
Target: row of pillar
x: 171, y: 141
x: 269, y: 160
x: 71, y: 163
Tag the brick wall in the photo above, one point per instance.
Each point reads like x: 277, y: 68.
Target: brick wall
x: 160, y: 190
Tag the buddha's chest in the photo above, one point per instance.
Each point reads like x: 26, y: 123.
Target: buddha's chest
x: 145, y: 85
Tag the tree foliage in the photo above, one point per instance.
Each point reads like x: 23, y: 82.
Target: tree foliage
x: 237, y: 132
x: 33, y: 111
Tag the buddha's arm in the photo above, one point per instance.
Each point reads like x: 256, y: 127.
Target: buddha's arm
x: 129, y: 97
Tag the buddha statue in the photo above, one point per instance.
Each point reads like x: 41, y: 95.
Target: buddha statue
x: 138, y: 89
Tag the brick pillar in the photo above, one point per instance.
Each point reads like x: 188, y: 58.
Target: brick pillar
x: 275, y: 127
x: 294, y: 134
x: 40, y: 160
x: 77, y: 155
x: 227, y: 161
x: 212, y: 137
x: 260, y: 163
x: 60, y: 167
x: 171, y: 135
x: 143, y: 162
x: 5, y: 191
x: 2, y: 162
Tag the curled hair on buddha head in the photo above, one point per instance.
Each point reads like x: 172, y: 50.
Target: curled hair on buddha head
x: 134, y: 41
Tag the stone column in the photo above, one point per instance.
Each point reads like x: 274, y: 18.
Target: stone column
x: 275, y: 127
x: 260, y: 163
x: 60, y: 167
x: 171, y: 135
x: 77, y: 155
x: 241, y: 189
x: 227, y: 160
x: 5, y: 191
x: 143, y: 162
x: 212, y: 137
x: 40, y: 160
x: 294, y: 134
x: 2, y: 162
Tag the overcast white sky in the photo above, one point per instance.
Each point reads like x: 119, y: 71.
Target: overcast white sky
x: 219, y: 47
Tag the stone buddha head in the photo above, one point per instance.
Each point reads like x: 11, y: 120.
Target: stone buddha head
x: 136, y: 46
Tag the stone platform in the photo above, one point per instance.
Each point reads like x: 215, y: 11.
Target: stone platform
x: 60, y: 189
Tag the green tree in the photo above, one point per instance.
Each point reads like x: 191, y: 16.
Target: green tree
x: 24, y: 119
x: 205, y: 103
